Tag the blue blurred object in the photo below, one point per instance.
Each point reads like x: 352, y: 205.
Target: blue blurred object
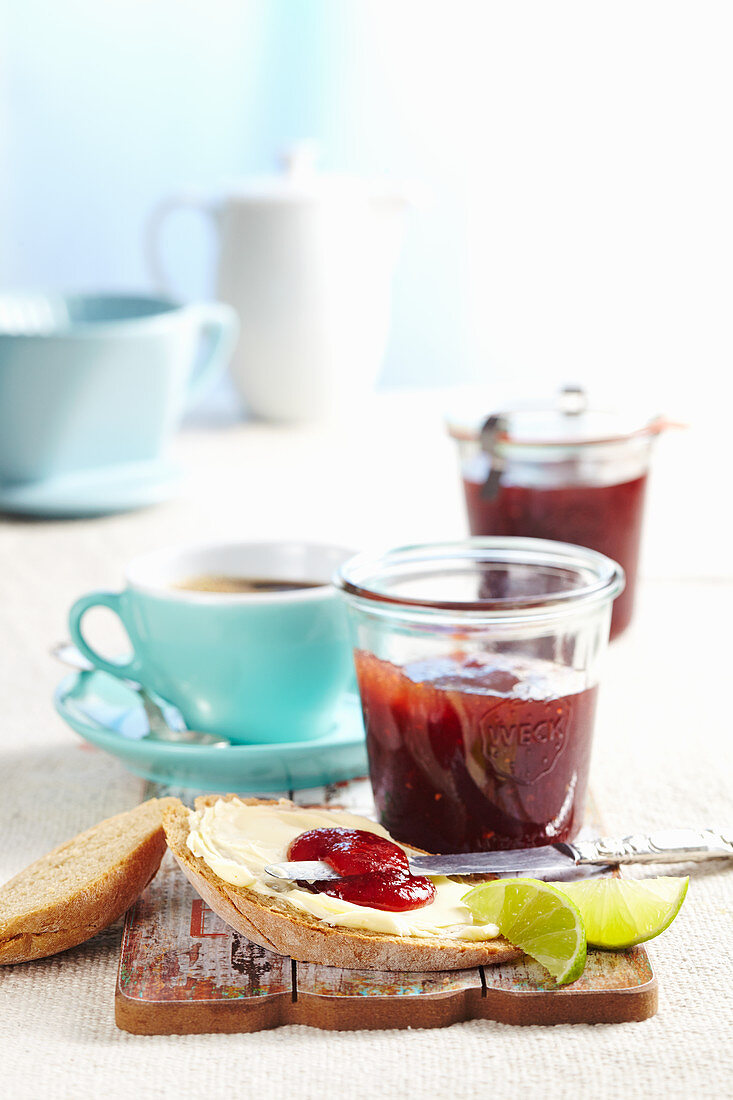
x: 120, y: 488
x: 92, y: 382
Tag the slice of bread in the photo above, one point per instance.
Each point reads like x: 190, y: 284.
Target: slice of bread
x: 81, y: 887
x: 281, y: 927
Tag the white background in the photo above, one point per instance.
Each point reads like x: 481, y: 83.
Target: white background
x: 578, y: 155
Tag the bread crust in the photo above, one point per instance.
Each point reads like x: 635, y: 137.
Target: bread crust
x: 277, y: 925
x: 41, y: 925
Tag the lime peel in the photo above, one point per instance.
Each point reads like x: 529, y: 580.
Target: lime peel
x: 536, y: 917
x: 620, y: 913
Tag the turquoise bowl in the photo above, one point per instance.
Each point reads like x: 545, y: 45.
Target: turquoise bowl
x: 95, y: 381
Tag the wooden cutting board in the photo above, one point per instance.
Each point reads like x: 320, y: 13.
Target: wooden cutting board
x: 183, y: 970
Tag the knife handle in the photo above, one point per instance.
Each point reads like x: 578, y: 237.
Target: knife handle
x: 663, y: 846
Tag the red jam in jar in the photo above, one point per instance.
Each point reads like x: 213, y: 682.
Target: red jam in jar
x: 607, y: 518
x: 478, y: 663
x: 565, y: 471
x: 376, y: 872
x: 477, y: 752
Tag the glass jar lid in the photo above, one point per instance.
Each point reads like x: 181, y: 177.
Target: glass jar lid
x: 566, y: 421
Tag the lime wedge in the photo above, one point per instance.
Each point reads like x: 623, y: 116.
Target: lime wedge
x: 623, y: 912
x: 537, y: 918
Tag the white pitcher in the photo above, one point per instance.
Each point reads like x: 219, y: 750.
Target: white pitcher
x: 307, y: 261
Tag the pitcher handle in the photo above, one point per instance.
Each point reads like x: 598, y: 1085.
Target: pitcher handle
x: 186, y: 200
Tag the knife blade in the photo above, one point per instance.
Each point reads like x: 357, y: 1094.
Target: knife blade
x: 551, y: 860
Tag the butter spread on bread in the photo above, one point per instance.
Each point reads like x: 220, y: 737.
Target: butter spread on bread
x: 237, y: 840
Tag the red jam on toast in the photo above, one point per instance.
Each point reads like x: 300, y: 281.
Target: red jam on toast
x: 375, y: 871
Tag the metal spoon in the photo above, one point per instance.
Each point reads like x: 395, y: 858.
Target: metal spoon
x: 160, y: 726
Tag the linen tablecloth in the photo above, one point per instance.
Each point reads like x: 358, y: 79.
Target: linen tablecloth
x: 662, y: 755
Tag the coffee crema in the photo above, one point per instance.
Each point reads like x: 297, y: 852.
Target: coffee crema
x: 242, y: 585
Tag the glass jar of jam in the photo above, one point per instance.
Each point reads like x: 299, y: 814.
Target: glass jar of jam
x: 478, y: 668
x: 562, y: 471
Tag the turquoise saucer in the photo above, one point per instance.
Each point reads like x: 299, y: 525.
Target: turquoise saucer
x: 100, y: 492
x: 109, y: 714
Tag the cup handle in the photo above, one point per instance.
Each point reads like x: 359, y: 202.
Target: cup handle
x: 113, y: 600
x: 187, y: 200
x: 219, y: 325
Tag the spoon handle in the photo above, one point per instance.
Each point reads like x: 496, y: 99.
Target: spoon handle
x: 159, y: 728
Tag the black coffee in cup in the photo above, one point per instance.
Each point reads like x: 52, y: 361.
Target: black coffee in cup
x: 242, y: 585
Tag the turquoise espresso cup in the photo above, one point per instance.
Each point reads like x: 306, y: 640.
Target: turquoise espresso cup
x: 98, y: 380
x: 257, y: 668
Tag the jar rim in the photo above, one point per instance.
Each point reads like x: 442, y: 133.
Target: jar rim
x: 463, y: 433
x: 600, y: 579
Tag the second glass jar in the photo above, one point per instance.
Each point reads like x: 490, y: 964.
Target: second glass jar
x: 562, y: 471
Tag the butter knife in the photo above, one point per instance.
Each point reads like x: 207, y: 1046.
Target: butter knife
x: 551, y: 861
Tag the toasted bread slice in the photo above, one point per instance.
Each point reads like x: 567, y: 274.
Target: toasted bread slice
x: 281, y: 927
x: 76, y: 890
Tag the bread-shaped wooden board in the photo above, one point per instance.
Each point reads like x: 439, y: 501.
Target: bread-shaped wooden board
x: 274, y: 923
x: 81, y: 887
